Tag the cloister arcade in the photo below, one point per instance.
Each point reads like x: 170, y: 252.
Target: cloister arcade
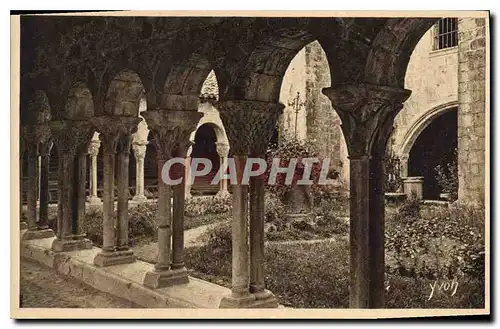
x: 82, y: 75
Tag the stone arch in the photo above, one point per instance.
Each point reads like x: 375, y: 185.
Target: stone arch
x: 38, y: 108
x: 183, y: 84
x: 420, y: 124
x: 124, y: 94
x: 391, y: 50
x: 80, y: 103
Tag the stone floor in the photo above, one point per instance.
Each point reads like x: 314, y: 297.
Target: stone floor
x: 42, y: 287
x: 123, y: 281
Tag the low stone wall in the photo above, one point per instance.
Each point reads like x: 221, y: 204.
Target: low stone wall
x: 123, y: 281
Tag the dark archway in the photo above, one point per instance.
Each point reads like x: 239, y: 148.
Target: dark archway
x: 150, y: 169
x: 434, y: 146
x: 205, y: 147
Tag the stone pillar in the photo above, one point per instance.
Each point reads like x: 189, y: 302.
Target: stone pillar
x: 403, y: 160
x: 123, y: 194
x: 249, y: 125
x: 473, y: 109
x: 139, y: 149
x: 187, y: 174
x: 70, y: 138
x: 367, y: 113
x: 34, y: 136
x: 44, y: 184
x: 414, y: 186
x: 93, y: 151
x: 22, y: 150
x: 80, y: 181
x: 112, y: 129
x: 178, y: 206
x: 171, y: 130
x: 223, y: 151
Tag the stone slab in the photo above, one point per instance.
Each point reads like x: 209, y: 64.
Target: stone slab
x: 125, y: 280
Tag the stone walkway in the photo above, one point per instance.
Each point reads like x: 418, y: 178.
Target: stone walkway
x: 42, y: 287
x: 192, y: 238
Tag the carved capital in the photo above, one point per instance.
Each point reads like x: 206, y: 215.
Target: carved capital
x: 33, y: 135
x: 222, y: 149
x: 249, y: 124
x: 139, y: 149
x: 94, y: 146
x: 367, y: 113
x: 114, y: 129
x: 71, y: 136
x: 171, y: 130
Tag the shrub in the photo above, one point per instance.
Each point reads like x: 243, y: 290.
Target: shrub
x: 91, y: 225
x: 410, y: 209
x: 447, y: 177
x: 274, y: 208
x: 142, y: 222
x: 442, y: 243
x: 219, y: 238
x: 206, y: 205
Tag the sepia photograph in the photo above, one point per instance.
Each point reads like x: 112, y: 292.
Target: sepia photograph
x: 250, y: 164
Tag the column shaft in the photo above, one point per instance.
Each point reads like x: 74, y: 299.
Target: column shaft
x: 164, y: 220
x: 81, y: 180
x: 94, y: 175
x: 66, y: 195
x: 257, y: 190
x: 32, y: 183
x: 123, y: 195
x: 240, y: 264
x: 376, y: 233
x: 359, y: 232
x: 178, y: 224
x: 44, y: 191
x: 108, y: 225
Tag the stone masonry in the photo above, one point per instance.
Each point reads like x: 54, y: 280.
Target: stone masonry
x: 471, y: 106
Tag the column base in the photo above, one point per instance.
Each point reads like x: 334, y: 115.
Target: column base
x: 139, y: 198
x: 94, y: 200
x: 23, y: 226
x: 161, y: 279
x: 187, y: 195
x: 264, y: 299
x: 224, y: 194
x: 110, y: 258
x: 38, y: 234
x: 71, y: 243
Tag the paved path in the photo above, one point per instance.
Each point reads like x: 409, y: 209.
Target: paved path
x: 192, y: 238
x: 43, y: 287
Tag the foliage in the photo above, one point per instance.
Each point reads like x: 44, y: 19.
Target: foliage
x: 274, y: 209
x: 410, y: 209
x: 286, y: 150
x: 317, y: 276
x: 393, y: 180
x: 206, y: 205
x: 440, y: 243
x: 447, y: 177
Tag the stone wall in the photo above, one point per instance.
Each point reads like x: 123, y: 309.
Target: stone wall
x: 432, y: 78
x: 471, y: 109
x: 308, y: 73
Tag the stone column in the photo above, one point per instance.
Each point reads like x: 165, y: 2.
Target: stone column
x: 44, y: 183
x: 139, y: 149
x: 93, y: 151
x: 34, y: 135
x: 123, y: 192
x: 111, y: 129
x: 178, y: 206
x: 22, y: 149
x: 403, y: 160
x: 81, y: 181
x: 187, y: 174
x: 367, y: 113
x: 70, y: 138
x: 249, y: 126
x: 223, y: 151
x: 170, y: 130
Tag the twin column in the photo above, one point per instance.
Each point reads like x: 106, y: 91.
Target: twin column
x: 37, y: 144
x: 115, y: 135
x: 367, y: 112
x: 249, y: 125
x: 171, y: 130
